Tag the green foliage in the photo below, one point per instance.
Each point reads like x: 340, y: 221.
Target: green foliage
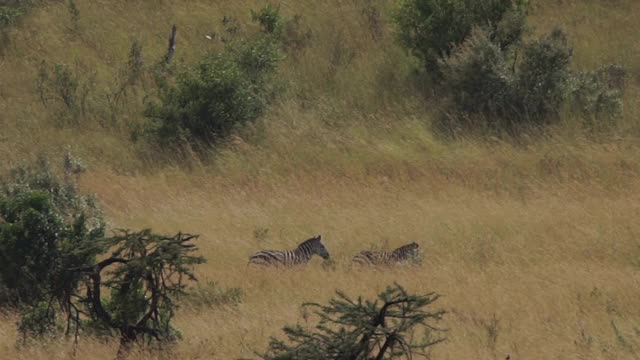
x: 290, y: 33
x: 478, y: 79
x: 543, y: 76
x: 487, y: 88
x: 362, y: 329
x: 147, y: 274
x: 8, y: 15
x: 210, y: 100
x: 269, y: 19
x: 432, y: 28
x: 48, y: 227
x: 490, y: 78
x: 597, y: 95
x: 38, y: 321
x: 50, y: 239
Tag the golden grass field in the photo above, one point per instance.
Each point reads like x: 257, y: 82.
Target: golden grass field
x: 534, y: 246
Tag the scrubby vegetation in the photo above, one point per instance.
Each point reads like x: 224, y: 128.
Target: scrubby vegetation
x: 50, y: 240
x: 499, y: 135
x: 224, y: 91
x: 363, y: 329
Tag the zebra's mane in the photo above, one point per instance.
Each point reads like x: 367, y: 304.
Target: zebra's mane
x: 310, y: 241
x: 402, y: 248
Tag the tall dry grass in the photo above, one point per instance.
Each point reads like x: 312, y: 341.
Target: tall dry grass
x: 534, y: 245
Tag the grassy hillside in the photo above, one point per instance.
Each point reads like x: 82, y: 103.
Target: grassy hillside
x: 534, y: 244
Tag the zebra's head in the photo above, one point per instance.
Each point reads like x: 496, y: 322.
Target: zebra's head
x: 318, y: 247
x: 409, y: 249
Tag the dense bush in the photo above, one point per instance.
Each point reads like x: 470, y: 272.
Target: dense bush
x: 543, y: 76
x: 48, y: 227
x: 57, y: 263
x: 432, y: 28
x: 208, y: 101
x: 478, y: 78
x: 597, y: 95
x: 483, y: 86
x: 489, y: 78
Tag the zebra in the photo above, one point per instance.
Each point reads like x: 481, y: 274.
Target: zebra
x: 300, y: 255
x: 401, y: 254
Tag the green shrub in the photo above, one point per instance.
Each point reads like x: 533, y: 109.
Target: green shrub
x: 290, y: 33
x: 146, y: 273
x: 51, y: 238
x: 222, y: 92
x: 597, y: 95
x: 269, y: 19
x: 543, y: 76
x: 478, y: 78
x: 432, y: 28
x: 487, y: 89
x: 8, y: 15
x: 48, y: 227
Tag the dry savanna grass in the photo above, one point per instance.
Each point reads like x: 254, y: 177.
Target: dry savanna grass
x: 534, y: 246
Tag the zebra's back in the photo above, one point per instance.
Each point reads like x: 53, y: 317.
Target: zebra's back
x: 371, y: 258
x: 375, y: 258
x: 274, y: 258
x: 267, y: 257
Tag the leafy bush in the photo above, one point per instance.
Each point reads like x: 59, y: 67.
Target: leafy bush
x: 51, y: 238
x: 290, y: 33
x: 489, y: 78
x: 543, y: 76
x: 269, y: 19
x: 222, y: 92
x: 478, y: 79
x: 432, y: 28
x: 487, y: 88
x: 382, y: 329
x: 8, y: 15
x: 48, y: 227
x: 597, y: 95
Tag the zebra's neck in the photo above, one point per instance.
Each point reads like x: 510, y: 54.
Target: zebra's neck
x: 304, y: 252
x: 401, y: 253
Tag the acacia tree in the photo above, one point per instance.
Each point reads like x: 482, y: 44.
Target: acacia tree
x: 145, y: 272
x: 362, y: 329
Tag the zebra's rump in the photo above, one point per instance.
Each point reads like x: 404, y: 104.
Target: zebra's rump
x: 369, y: 258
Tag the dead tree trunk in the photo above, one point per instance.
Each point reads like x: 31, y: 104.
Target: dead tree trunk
x: 172, y: 45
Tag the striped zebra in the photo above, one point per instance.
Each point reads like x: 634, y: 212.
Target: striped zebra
x: 399, y: 255
x: 300, y: 255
